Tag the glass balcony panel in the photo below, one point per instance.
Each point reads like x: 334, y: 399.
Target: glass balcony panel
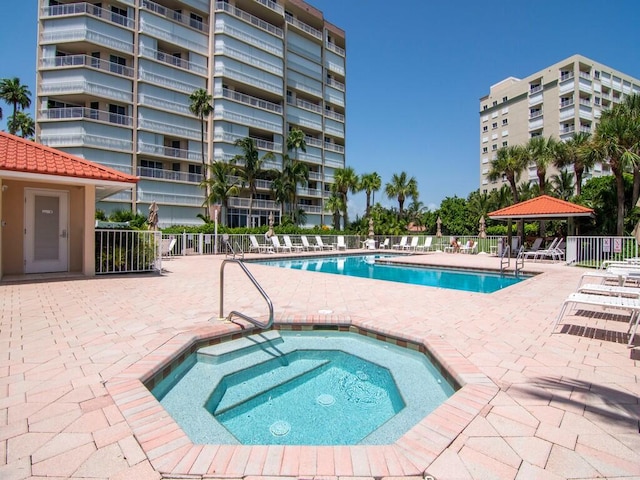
x: 167, y: 128
x: 163, y: 104
x: 86, y: 9
x: 87, y: 61
x: 250, y: 120
x: 303, y: 26
x: 164, y: 151
x: 84, y: 87
x: 172, y: 60
x: 247, y: 17
x: 222, y: 49
x: 82, y: 112
x: 247, y: 78
x: 173, y: 15
x: 234, y: 28
x: 175, y: 34
x: 91, y: 32
x: 82, y: 139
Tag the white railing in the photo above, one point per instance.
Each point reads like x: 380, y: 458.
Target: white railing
x: 158, y: 79
x: 247, y: 17
x: 80, y: 139
x: 591, y: 251
x: 172, y: 60
x: 169, y: 175
x: 173, y: 15
x: 174, y: 38
x: 566, y: 76
x: 334, y: 115
x: 222, y: 114
x: 221, y: 49
x: 305, y: 105
x: 535, y: 89
x: 303, y: 26
x: 221, y: 70
x: 336, y: 84
x: 83, y: 112
x: 126, y: 251
x: 335, y: 48
x: 93, y: 10
x: 161, y: 127
x: 247, y: 99
x: 221, y: 27
x: 87, y: 61
x: 164, y: 151
x: 84, y: 33
x: 161, y: 103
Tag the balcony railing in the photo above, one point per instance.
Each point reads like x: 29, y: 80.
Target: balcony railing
x: 566, y: 103
x: 311, y: 208
x: 248, y: 79
x: 249, y: 59
x: 315, y: 176
x: 171, y: 198
x: 305, y: 105
x: 258, y: 204
x: 336, y: 49
x: 272, y: 6
x: 158, y: 79
x: 303, y: 26
x: 72, y: 113
x: 536, y: 114
x: 313, y: 142
x: 162, y: 174
x: 247, y: 17
x: 89, y: 9
x: 333, y: 147
x: 247, y: 99
x: 566, y: 76
x: 251, y: 120
x: 222, y: 27
x: 87, y: 61
x: 164, y: 151
x: 336, y: 84
x: 82, y: 139
x: 175, y: 130
x: 172, y: 60
x: 334, y: 67
x: 309, y: 192
x: 164, y: 104
x: 585, y: 101
x: 570, y: 129
x: 586, y: 75
x: 260, y: 143
x: 535, y: 89
x: 173, y: 15
x: 174, y: 38
x: 62, y: 88
x: 335, y: 115
x: 81, y: 34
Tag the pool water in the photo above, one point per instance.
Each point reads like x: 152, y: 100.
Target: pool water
x: 302, y: 388
x: 374, y: 267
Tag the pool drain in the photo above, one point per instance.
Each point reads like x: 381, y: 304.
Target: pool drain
x: 280, y: 428
x: 325, y: 400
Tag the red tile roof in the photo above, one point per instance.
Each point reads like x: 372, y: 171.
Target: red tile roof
x: 542, y: 207
x: 20, y: 155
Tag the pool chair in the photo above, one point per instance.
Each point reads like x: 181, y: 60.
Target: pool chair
x: 413, y: 245
x: 631, y: 305
x: 614, y: 290
x: 341, y: 245
x: 278, y: 247
x: 290, y: 245
x: 469, y: 247
x: 531, y: 253
x: 306, y: 245
x: 167, y: 246
x: 257, y: 247
x: 321, y: 244
x: 384, y: 245
x: 400, y: 246
x: 426, y: 246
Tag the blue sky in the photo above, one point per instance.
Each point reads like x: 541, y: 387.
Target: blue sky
x: 416, y: 70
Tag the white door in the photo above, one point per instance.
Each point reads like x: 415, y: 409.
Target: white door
x: 46, y: 242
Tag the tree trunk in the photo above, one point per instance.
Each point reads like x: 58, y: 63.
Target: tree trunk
x: 636, y: 185
x: 620, y: 197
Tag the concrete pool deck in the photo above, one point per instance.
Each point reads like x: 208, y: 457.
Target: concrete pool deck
x: 562, y: 406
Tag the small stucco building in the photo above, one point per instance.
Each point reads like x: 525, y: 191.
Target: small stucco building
x: 47, y: 208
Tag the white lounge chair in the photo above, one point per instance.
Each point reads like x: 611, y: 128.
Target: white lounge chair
x: 385, y: 244
x: 603, y: 289
x: 531, y: 253
x: 166, y: 247
x: 631, y: 305
x: 321, y: 244
x: 550, y: 251
x: 278, y: 246
x: 426, y: 246
x: 341, y: 245
x: 469, y: 247
x: 400, y: 246
x: 306, y: 245
x: 290, y: 245
x: 257, y: 247
x: 413, y: 245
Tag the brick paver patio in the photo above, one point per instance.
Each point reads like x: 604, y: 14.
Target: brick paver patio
x: 558, y: 406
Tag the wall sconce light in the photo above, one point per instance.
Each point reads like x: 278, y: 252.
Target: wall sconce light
x: 4, y: 187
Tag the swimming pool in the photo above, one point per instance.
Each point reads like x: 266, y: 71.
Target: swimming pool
x: 302, y: 388
x: 374, y: 267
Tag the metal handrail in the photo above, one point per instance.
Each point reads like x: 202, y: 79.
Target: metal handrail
x: 230, y: 248
x: 506, y: 251
x: 256, y: 284
x: 520, y: 260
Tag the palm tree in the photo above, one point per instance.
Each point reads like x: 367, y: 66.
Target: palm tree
x: 630, y: 108
x: 296, y: 141
x: 23, y: 123
x: 294, y: 172
x: 370, y: 183
x: 222, y: 186
x: 345, y: 181
x: 16, y: 94
x: 563, y: 185
x: 249, y: 168
x: 402, y: 187
x: 575, y: 152
x: 616, y: 141
x: 201, y: 106
x: 542, y: 152
x: 336, y: 206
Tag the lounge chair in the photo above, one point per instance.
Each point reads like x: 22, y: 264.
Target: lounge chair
x: 306, y: 245
x: 384, y: 245
x: 257, y: 247
x: 426, y: 246
x: 469, y: 247
x: 167, y: 246
x: 278, y: 247
x: 341, y: 245
x: 615, y: 290
x: 531, y: 253
x: 321, y: 244
x: 290, y: 245
x: 631, y: 305
x: 413, y: 245
x: 400, y: 246
x: 550, y: 251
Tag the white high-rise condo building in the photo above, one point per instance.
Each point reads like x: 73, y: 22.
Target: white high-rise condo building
x: 114, y: 80
x: 557, y: 101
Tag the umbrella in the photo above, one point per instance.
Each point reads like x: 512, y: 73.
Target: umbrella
x: 439, y: 231
x: 152, y: 220
x: 482, y: 233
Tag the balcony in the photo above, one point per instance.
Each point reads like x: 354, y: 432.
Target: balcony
x: 87, y: 9
x: 241, y: 56
x: 335, y: 49
x: 85, y: 87
x: 222, y: 71
x: 536, y: 114
x: 173, y: 15
x: 569, y: 129
x: 172, y: 60
x: 303, y: 26
x: 315, y: 175
x: 250, y: 120
x: 309, y: 192
x: 165, y: 81
x: 312, y: 142
x: 258, y: 204
x: 247, y: 100
x: 247, y: 17
x: 585, y: 101
x: 171, y: 198
x: 87, y: 61
x: 272, y: 6
x: 164, y: 151
x: 168, y: 128
x: 84, y: 33
x: 336, y: 84
x: 566, y: 76
x: 312, y: 107
x: 586, y: 75
x: 260, y: 143
x: 162, y: 174
x: 566, y: 103
x: 86, y: 140
x: 333, y: 147
x: 311, y: 208
x: 164, y: 104
x: 535, y: 89
x: 76, y: 113
x: 173, y: 37
x: 334, y: 115
x: 334, y: 67
x: 225, y: 28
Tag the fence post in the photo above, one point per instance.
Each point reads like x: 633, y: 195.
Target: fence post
x: 184, y: 243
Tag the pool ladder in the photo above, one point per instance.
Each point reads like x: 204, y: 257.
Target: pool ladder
x: 506, y: 262
x: 249, y: 319
x: 230, y: 251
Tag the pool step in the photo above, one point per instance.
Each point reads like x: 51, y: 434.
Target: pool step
x: 241, y: 388
x: 227, y: 351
